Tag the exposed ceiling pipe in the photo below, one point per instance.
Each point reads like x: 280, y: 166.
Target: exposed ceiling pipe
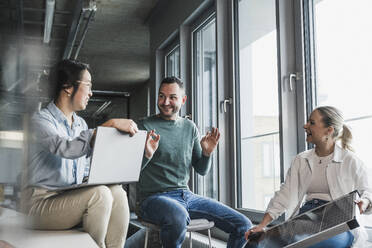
x: 77, y: 18
x: 20, y: 18
x: 61, y: 12
x: 109, y: 93
x: 100, y: 109
x: 81, y: 8
x: 76, y: 31
x: 91, y: 15
x: 48, y: 22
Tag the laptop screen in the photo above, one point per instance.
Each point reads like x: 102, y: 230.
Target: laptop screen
x: 312, y: 226
x: 117, y: 156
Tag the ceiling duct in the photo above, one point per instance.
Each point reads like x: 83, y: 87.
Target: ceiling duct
x: 109, y: 93
x: 48, y: 22
x: 82, y: 7
x: 89, y: 5
x: 101, y: 109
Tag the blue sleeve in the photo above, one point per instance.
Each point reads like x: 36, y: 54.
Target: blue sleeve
x: 45, y: 133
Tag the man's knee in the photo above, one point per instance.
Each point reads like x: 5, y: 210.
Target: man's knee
x: 177, y: 221
x: 244, y: 225
x: 174, y: 228
x: 247, y: 224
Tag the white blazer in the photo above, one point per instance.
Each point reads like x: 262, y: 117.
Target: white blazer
x: 345, y: 173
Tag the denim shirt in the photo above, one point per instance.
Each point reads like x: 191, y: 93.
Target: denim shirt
x: 59, y: 154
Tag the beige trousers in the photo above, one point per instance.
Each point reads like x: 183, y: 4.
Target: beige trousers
x: 103, y: 210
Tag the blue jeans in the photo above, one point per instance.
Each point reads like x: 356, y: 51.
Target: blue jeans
x: 342, y: 240
x: 173, y: 210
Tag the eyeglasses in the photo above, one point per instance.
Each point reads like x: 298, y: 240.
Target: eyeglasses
x: 87, y: 83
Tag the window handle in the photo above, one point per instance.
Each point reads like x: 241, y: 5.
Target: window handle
x: 293, y: 77
x: 228, y: 100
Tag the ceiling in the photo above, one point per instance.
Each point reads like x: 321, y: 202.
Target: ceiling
x: 116, y: 44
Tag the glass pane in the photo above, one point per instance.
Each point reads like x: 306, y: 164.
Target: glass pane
x: 346, y: 84
x: 259, y: 106
x: 177, y: 64
x: 260, y: 170
x: 343, y: 55
x: 205, y: 99
x: 169, y: 64
x: 173, y: 63
x: 343, y: 51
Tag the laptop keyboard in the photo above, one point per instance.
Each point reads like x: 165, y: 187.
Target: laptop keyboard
x: 337, y: 213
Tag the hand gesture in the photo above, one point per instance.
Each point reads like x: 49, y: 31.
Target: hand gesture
x: 209, y: 141
x: 152, y: 143
x: 125, y: 125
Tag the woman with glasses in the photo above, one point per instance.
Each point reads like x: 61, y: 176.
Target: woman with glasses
x: 59, y: 156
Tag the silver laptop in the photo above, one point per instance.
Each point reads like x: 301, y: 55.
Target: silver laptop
x: 117, y: 158
x: 311, y: 227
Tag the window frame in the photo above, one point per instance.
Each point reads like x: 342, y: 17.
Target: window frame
x: 169, y: 50
x: 291, y: 102
x: 202, y: 21
x: 254, y: 214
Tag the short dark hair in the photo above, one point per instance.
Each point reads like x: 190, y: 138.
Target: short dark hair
x: 172, y: 80
x: 66, y: 74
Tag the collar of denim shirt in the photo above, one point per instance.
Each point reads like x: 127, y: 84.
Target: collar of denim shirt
x: 58, y: 114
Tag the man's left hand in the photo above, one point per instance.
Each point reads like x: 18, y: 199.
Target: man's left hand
x: 152, y: 144
x: 210, y: 141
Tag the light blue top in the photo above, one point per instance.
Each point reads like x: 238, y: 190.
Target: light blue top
x: 59, y: 154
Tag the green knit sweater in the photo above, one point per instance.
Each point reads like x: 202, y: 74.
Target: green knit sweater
x: 179, y: 149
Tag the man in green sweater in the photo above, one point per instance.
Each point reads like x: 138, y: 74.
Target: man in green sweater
x: 165, y: 198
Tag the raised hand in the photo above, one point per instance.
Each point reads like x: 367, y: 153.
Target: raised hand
x: 126, y: 125
x: 210, y: 141
x: 152, y: 143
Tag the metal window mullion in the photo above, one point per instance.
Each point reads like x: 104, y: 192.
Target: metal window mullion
x: 201, y: 91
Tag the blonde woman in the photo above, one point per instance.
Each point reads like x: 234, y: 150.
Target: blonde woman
x: 323, y: 174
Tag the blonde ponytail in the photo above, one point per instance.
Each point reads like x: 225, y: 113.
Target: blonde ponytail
x: 346, y: 138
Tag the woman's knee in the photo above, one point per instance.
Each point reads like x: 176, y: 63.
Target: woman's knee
x: 118, y: 192
x: 119, y: 196
x: 103, y: 195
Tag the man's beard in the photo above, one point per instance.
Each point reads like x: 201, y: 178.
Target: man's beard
x: 174, y: 111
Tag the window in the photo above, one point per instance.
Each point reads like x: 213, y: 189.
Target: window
x: 12, y: 158
x: 172, y: 62
x: 342, y: 62
x: 205, y: 97
x: 258, y: 136
x: 342, y: 51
